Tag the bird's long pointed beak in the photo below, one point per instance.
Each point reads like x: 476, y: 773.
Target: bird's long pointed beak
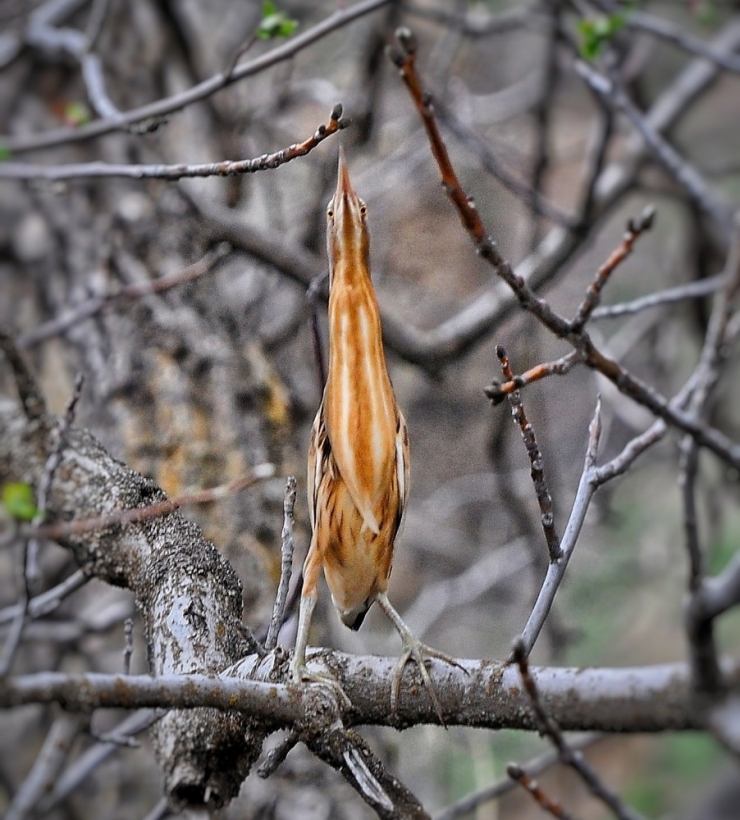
x: 344, y: 184
x: 347, y: 232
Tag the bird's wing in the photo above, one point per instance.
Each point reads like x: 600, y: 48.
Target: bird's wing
x: 403, y: 472
x: 319, y: 452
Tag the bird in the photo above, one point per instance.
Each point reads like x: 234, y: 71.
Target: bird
x: 358, y: 459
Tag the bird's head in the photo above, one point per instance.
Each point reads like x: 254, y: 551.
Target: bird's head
x: 347, y: 235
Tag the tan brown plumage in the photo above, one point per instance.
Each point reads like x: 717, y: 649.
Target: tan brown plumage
x: 358, y: 460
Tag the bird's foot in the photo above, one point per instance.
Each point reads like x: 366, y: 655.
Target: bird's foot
x: 301, y: 676
x: 415, y: 650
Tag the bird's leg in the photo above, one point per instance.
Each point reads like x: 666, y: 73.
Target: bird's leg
x: 298, y: 664
x: 413, y: 649
x: 309, y: 595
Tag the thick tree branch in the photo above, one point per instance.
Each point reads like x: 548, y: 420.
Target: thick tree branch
x: 177, y: 577
x: 480, y: 694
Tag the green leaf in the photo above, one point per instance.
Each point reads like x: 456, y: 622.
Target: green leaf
x: 274, y: 23
x: 5, y: 153
x: 77, y: 114
x: 18, y: 501
x: 595, y: 31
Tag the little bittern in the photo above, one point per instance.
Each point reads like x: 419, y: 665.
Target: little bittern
x: 358, y: 460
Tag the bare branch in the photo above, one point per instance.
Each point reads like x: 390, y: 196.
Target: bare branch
x: 32, y: 399
x: 722, y: 592
x: 29, y: 546
x: 529, y: 784
x: 691, y: 290
x: 634, y: 230
x: 48, y: 601
x: 497, y: 391
x: 96, y: 21
x: 42, y: 33
x: 90, y: 307
x: 549, y: 727
x: 531, y: 197
x: 226, y: 168
x: 671, y: 33
x: 544, y: 499
x: 699, y: 628
x: 57, y: 532
x: 168, y: 105
x: 556, y: 569
x: 46, y: 768
x: 78, y: 773
x: 631, y: 451
x: 404, y: 58
x: 534, y: 767
x: 160, y: 810
x: 286, y: 565
x: 128, y: 649
x: 349, y: 754
x: 678, y: 167
x: 174, y: 573
x: 277, y: 755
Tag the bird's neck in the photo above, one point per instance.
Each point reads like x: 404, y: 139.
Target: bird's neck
x: 354, y: 317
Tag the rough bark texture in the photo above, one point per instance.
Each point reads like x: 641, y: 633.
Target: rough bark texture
x: 194, y: 385
x: 189, y: 596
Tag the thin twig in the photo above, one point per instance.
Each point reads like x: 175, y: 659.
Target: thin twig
x: 79, y: 772
x: 43, y: 492
x: 95, y: 22
x: 477, y: 26
x: 135, y: 290
x: 123, y: 741
x: 699, y: 628
x: 631, y: 451
x: 532, y: 198
x: 635, y: 228
x: 65, y: 529
x: 556, y: 569
x: 226, y: 168
x: 544, y: 801
x: 595, y: 160
x: 683, y: 39
x: 544, y: 108
x: 498, y: 391
x: 677, y: 166
x: 44, y: 34
x: 128, y: 647
x: 286, y: 565
x: 312, y: 297
x: 48, y: 601
x: 404, y: 58
x: 532, y: 768
x: 29, y: 392
x: 349, y: 754
x: 153, y: 112
x: 46, y: 767
x: 544, y: 499
x: 159, y: 810
x: 574, y: 759
x: 680, y: 293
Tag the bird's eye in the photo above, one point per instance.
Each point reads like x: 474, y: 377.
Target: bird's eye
x: 363, y: 209
x: 330, y: 213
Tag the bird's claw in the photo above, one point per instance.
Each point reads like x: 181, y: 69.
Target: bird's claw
x: 414, y: 649
x: 301, y: 676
